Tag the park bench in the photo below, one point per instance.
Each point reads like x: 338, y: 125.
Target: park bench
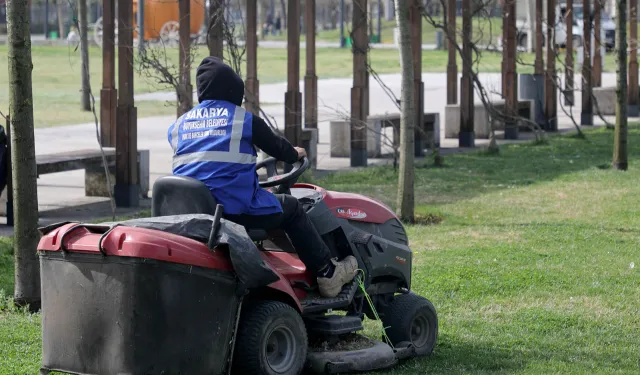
x: 92, y: 163
x: 482, y: 119
x: 340, y: 142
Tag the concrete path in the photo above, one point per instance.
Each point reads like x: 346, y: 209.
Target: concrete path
x: 65, y: 190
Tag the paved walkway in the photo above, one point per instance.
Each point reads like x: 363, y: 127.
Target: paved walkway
x: 63, y: 190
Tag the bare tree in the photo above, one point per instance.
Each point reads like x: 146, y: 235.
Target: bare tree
x: 156, y: 63
x: 215, y: 37
x: 24, y: 172
x: 156, y: 66
x: 483, y: 42
x: 405, y: 206
x: 84, y: 51
x: 483, y: 39
x: 620, y: 132
x: 60, y: 10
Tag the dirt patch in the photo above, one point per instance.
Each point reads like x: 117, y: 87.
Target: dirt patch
x: 347, y: 342
x: 428, y: 219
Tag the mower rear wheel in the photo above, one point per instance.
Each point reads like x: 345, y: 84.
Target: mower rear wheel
x: 412, y: 318
x: 271, y: 339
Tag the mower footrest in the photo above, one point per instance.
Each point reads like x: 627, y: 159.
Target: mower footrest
x: 343, y: 299
x: 333, y: 324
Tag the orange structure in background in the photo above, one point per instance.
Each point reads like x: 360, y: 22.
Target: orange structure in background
x: 161, y: 21
x: 161, y: 18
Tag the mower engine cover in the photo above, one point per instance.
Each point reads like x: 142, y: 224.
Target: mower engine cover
x: 245, y: 257
x: 125, y: 299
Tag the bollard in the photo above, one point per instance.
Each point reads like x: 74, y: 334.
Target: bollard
x: 532, y: 88
x: 439, y: 40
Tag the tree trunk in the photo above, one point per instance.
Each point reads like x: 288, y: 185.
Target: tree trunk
x: 84, y: 51
x: 215, y: 29
x: 405, y: 206
x: 25, y: 197
x: 185, y: 94
x: 333, y: 17
x: 59, y: 5
x: 283, y: 16
x: 620, y: 132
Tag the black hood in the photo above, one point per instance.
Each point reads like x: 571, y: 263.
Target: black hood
x: 216, y: 80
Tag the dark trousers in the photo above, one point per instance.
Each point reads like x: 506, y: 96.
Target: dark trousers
x: 309, y: 245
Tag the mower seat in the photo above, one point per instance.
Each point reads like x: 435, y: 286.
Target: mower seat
x: 179, y: 195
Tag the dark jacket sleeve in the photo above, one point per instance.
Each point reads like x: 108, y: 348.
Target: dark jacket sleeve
x: 273, y: 144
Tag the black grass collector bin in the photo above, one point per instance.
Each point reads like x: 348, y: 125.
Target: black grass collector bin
x: 130, y: 301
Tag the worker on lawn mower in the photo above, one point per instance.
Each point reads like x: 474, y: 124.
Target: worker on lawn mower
x: 215, y: 142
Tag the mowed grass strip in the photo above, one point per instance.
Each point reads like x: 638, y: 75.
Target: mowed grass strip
x: 533, y: 268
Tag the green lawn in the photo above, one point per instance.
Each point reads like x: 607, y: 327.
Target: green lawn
x: 533, y: 270
x: 57, y: 81
x: 485, y: 30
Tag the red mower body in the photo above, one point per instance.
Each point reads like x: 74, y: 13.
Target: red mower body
x: 151, y: 244
x: 143, y: 243
x: 353, y: 206
x: 130, y: 299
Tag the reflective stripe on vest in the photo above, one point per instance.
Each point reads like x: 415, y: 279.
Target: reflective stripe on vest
x: 232, y: 156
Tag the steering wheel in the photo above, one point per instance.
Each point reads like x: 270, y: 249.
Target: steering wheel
x: 285, y: 179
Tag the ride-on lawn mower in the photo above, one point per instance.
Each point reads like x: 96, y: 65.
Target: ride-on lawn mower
x: 188, y: 292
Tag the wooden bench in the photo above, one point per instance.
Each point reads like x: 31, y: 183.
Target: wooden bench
x: 91, y: 161
x: 95, y: 183
x: 376, y: 124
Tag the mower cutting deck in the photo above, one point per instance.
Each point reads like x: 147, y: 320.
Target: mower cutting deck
x: 186, y: 291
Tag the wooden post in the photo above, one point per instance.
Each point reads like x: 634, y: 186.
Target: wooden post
x: 215, y: 37
x: 597, y: 56
x: 452, y: 65
x: 550, y: 89
x: 46, y: 19
x: 109, y: 93
x: 505, y: 37
x: 310, y: 79
x: 293, y: 97
x: 186, y: 90
x: 511, y: 76
x: 586, y: 116
x: 466, y: 137
x: 632, y: 109
x: 343, y: 42
x: 620, y: 134
x: 359, y: 89
x: 379, y: 28
x: 252, y: 92
x: 415, y: 16
x: 126, y: 192
x: 568, y: 78
x: 370, y: 17
x: 539, y: 62
x: 140, y: 25
x: 9, y: 186
x: 84, y: 52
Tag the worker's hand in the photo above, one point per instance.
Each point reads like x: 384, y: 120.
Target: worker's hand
x: 301, y: 152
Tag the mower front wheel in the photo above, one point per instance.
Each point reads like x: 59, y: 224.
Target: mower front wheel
x: 271, y: 339
x: 412, y: 318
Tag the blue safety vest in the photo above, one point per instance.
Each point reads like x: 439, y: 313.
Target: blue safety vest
x: 212, y: 143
